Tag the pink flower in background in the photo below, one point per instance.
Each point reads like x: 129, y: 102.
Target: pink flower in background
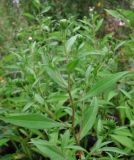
x: 121, y: 24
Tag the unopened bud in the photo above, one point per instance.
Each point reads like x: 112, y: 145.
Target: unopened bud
x: 30, y: 38
x: 91, y: 9
x: 63, y: 23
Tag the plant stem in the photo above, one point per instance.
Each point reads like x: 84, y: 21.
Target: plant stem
x: 69, y: 91
x: 73, y: 109
x: 71, y: 101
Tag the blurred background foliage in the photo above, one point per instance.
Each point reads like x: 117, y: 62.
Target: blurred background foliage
x: 13, y: 18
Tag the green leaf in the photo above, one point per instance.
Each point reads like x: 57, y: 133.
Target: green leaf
x: 99, y: 24
x: 29, y: 120
x: 39, y: 99
x: 76, y: 148
x: 120, y: 45
x: 125, y: 141
x: 116, y: 14
x: 111, y: 95
x: 30, y: 16
x: 129, y: 15
x: 65, y: 139
x: 113, y: 149
x: 55, y: 75
x: 88, y: 118
x: 3, y: 141
x: 105, y: 84
x: 70, y: 43
x: 72, y: 65
x: 49, y: 150
x: 123, y: 131
x: 27, y: 106
x: 132, y: 123
x: 128, y: 95
x: 88, y: 72
x: 46, y: 9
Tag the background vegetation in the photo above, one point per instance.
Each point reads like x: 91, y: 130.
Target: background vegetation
x: 66, y: 80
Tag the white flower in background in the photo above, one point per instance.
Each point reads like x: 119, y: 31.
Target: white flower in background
x: 30, y: 38
x: 16, y: 2
x: 91, y: 9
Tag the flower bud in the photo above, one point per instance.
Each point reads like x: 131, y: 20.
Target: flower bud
x: 30, y: 38
x: 63, y: 23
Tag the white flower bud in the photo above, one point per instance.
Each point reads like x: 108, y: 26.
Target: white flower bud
x: 63, y: 23
x: 30, y: 38
x: 91, y: 9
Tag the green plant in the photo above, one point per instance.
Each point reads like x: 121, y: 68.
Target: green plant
x: 63, y: 94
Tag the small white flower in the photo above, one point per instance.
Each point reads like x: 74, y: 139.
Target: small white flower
x: 30, y: 38
x: 91, y: 9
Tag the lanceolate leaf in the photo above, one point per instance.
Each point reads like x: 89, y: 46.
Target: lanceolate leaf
x: 55, y: 75
x: 70, y: 43
x: 125, y: 141
x: 88, y: 118
x: 116, y: 14
x: 3, y: 141
x: 33, y: 121
x: 77, y: 148
x: 113, y: 149
x: 72, y: 65
x: 49, y: 150
x: 105, y: 84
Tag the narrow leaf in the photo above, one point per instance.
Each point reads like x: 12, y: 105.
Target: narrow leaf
x: 116, y: 14
x: 77, y: 148
x: 72, y: 65
x: 39, y: 99
x: 49, y: 150
x: 113, y: 149
x: 55, y: 75
x: 70, y: 43
x: 125, y: 141
x: 33, y: 121
x: 3, y: 141
x: 88, y: 118
x: 104, y: 84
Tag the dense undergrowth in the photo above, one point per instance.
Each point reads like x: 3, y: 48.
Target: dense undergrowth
x: 67, y: 85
